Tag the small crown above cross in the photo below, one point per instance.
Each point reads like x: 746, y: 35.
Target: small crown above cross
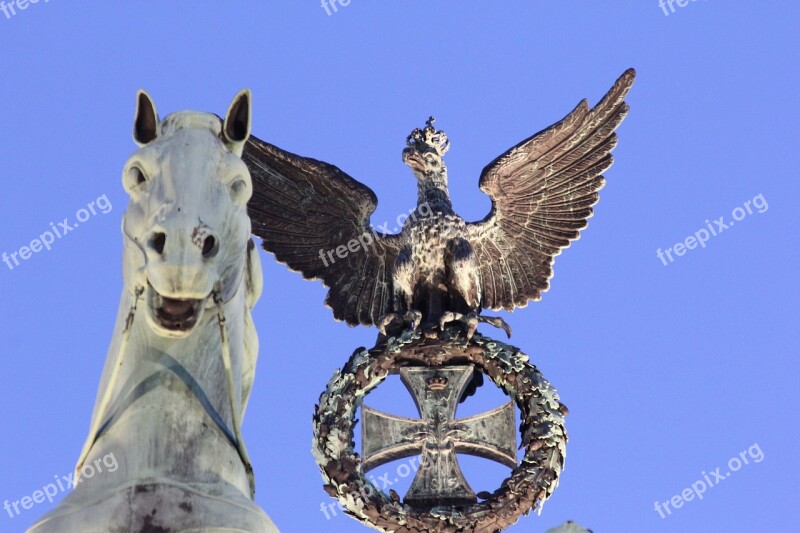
x: 436, y: 383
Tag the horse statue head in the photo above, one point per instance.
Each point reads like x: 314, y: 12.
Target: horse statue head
x: 187, y: 215
x: 165, y: 450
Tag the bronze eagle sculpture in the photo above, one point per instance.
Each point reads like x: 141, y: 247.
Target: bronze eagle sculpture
x: 440, y: 268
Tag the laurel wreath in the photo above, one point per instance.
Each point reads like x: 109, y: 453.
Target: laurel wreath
x: 542, y: 428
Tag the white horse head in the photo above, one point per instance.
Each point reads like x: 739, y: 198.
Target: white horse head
x: 188, y: 192
x: 180, y: 367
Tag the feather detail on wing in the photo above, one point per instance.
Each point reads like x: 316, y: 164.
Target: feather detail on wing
x: 315, y: 219
x: 542, y: 193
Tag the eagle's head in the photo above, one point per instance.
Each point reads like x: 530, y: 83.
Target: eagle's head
x: 424, y: 152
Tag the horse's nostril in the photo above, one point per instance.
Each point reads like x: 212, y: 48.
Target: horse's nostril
x: 157, y: 242
x: 210, y: 247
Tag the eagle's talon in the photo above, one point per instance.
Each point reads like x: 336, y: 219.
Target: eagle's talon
x: 414, y: 318
x: 385, y: 320
x: 469, y: 320
x: 497, y: 322
x: 448, y: 316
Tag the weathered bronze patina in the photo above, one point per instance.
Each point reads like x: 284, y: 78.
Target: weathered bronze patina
x: 425, y: 289
x: 542, y: 430
x: 438, y: 436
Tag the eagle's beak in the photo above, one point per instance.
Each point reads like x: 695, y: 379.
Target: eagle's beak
x: 413, y: 159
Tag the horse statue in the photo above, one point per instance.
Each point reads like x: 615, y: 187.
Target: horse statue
x: 165, y: 450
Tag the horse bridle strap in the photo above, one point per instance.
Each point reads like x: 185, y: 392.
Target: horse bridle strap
x: 130, y: 393
x: 158, y: 378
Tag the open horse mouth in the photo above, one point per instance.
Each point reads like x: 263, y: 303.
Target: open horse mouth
x: 175, y: 316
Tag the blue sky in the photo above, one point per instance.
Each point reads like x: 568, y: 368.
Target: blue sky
x: 670, y: 368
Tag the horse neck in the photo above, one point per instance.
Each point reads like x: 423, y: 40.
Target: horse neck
x: 195, y: 359
x: 200, y: 354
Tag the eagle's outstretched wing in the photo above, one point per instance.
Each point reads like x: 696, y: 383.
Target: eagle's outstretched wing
x: 542, y: 193
x: 315, y: 219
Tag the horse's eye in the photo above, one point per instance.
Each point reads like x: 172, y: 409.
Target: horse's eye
x: 139, y: 175
x: 240, y: 191
x: 134, y: 178
x: 239, y: 187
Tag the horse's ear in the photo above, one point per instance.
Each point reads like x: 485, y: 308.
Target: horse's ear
x: 145, y: 125
x: 236, y: 129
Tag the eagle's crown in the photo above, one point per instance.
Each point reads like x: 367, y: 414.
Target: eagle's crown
x: 424, y: 152
x: 429, y: 139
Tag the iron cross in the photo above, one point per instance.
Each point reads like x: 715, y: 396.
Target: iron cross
x: 438, y: 436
